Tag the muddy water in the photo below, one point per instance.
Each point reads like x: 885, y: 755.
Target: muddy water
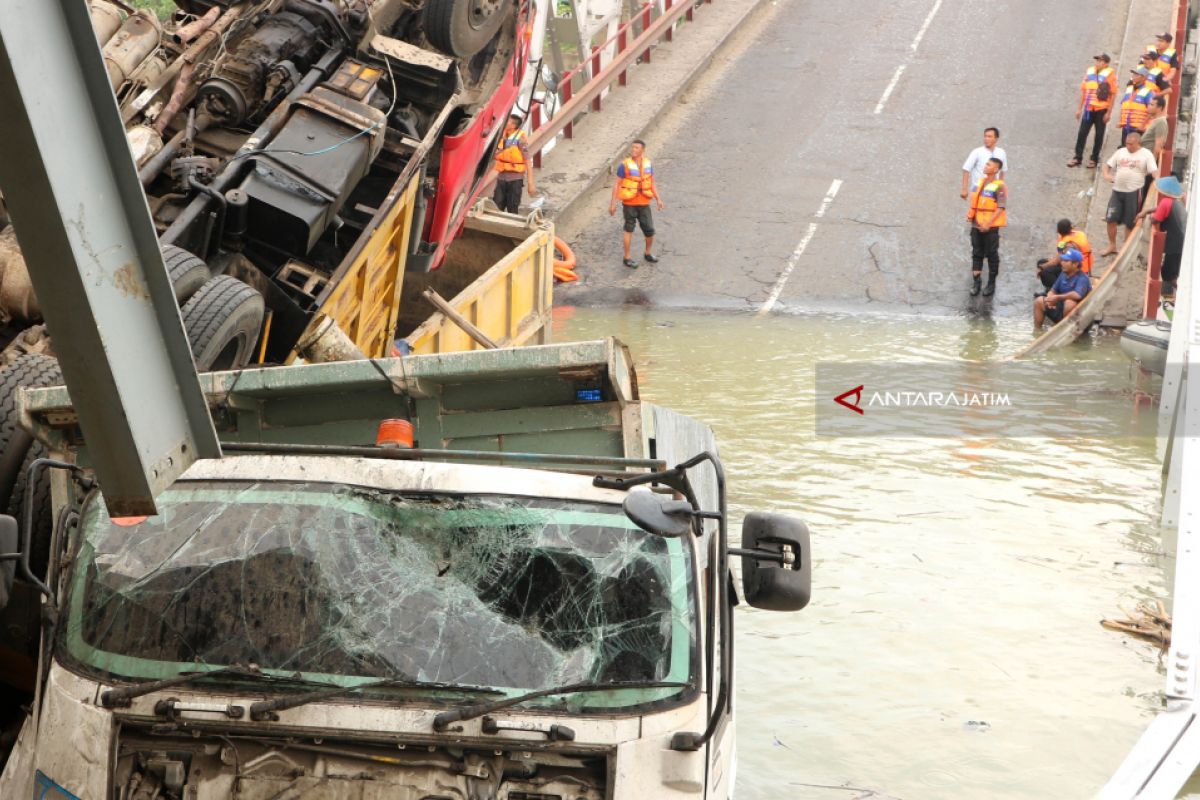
x: 952, y: 648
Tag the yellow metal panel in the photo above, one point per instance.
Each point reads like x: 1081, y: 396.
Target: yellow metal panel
x: 364, y: 294
x: 511, y: 302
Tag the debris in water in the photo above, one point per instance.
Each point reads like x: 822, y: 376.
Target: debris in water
x: 1153, y: 624
x: 977, y: 725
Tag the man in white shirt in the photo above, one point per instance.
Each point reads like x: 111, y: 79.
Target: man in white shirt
x: 973, y: 166
x: 1132, y: 164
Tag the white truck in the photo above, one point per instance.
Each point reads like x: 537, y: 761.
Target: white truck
x: 495, y: 574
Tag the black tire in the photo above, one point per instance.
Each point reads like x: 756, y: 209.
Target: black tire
x: 188, y: 272
x: 461, y: 28
x: 222, y: 321
x: 31, y: 369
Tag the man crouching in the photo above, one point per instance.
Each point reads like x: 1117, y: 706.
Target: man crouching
x: 1066, y: 293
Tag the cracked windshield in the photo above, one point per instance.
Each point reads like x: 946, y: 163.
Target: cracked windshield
x: 340, y: 582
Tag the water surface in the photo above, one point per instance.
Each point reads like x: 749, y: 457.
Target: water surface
x: 952, y: 648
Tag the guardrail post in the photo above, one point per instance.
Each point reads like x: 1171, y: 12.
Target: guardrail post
x: 569, y: 128
x: 646, y: 9
x: 537, y: 123
x: 596, y: 71
x: 622, y: 43
x: 670, y: 30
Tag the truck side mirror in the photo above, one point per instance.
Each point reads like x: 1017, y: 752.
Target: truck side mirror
x: 781, y: 578
x: 10, y: 543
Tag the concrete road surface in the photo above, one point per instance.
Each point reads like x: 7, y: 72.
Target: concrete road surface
x: 821, y: 168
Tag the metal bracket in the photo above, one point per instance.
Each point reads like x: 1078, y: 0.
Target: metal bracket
x: 171, y: 707
x: 555, y: 733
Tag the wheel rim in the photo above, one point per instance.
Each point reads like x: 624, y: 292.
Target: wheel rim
x: 480, y: 11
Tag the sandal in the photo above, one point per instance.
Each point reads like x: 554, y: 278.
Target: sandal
x: 1074, y: 162
x: 1091, y: 163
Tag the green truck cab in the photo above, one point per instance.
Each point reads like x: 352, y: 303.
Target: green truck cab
x: 519, y: 589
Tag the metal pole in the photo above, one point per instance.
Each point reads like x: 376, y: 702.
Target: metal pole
x: 82, y: 220
x: 458, y: 319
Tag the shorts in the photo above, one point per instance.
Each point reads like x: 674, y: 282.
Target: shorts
x: 1123, y: 207
x: 639, y: 215
x: 1055, y: 313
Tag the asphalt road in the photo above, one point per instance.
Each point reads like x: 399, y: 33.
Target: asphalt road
x: 796, y: 180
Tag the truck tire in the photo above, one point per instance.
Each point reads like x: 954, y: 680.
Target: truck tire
x: 31, y: 369
x: 462, y: 27
x: 222, y: 321
x: 188, y: 272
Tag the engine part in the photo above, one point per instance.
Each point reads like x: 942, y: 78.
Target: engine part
x: 321, y: 153
x: 106, y: 20
x: 192, y: 168
x: 136, y: 40
x: 237, y: 205
x: 197, y: 26
x: 237, y: 90
x: 17, y: 299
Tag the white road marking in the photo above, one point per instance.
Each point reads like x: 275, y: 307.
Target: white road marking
x: 912, y: 51
x: 800, y: 248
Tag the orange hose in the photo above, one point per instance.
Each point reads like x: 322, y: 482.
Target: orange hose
x: 565, y: 275
x: 568, y: 260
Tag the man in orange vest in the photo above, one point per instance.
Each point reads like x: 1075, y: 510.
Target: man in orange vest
x: 1135, y: 104
x: 635, y: 188
x: 1156, y: 80
x: 513, y: 165
x: 1168, y: 59
x: 1096, y: 94
x: 987, y: 212
x: 1068, y: 239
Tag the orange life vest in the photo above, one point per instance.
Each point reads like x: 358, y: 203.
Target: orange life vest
x: 1166, y: 60
x: 508, y: 153
x: 637, y: 187
x: 1091, y: 85
x: 1080, y: 240
x: 984, y: 209
x: 1157, y: 81
x: 1135, y: 107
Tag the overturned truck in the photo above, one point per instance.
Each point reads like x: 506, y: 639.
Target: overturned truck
x: 298, y: 157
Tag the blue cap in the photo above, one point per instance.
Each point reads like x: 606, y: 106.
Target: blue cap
x: 1169, y: 186
x: 1072, y: 254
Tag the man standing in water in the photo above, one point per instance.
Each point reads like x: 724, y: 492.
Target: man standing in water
x: 635, y: 188
x: 988, y: 213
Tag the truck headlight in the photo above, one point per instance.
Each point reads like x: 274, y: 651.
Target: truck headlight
x: 46, y: 789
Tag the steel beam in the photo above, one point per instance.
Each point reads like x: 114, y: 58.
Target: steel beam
x: 82, y: 220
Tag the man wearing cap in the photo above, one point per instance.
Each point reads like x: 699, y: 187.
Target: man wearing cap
x: 1068, y: 290
x: 1132, y: 163
x: 1169, y: 216
x: 1096, y: 94
x: 1156, y: 80
x: 1168, y: 59
x: 1135, y: 103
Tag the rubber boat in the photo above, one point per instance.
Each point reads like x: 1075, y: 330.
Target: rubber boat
x: 1146, y: 343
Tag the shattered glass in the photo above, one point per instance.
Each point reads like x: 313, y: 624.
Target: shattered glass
x: 338, y: 582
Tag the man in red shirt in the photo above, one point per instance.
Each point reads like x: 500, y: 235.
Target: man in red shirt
x: 1169, y: 216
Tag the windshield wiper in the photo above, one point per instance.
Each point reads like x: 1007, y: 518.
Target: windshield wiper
x: 442, y: 720
x: 266, y: 709
x: 119, y: 698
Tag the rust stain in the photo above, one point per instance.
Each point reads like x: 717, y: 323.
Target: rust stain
x: 128, y: 282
